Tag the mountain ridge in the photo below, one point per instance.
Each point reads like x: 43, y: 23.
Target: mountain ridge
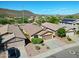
x: 16, y: 13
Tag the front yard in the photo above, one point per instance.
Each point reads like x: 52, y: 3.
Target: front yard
x: 36, y: 49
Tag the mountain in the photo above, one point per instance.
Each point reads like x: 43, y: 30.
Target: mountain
x: 16, y: 13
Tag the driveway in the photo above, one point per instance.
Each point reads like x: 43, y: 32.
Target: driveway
x: 54, y: 43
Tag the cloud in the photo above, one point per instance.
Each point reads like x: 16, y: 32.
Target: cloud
x: 58, y: 11
x: 66, y: 11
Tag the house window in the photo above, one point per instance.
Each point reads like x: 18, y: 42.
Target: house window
x: 35, y: 36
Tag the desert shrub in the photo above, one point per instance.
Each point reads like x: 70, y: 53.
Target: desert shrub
x: 37, y: 47
x: 37, y: 40
x: 69, y: 39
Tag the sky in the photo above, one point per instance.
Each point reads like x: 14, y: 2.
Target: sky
x: 43, y: 7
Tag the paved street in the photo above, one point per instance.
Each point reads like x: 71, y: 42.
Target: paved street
x: 67, y: 53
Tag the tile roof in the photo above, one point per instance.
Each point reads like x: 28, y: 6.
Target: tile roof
x: 15, y: 29
x: 31, y: 29
x: 4, y: 29
x: 51, y: 26
x: 7, y: 37
x: 12, y: 31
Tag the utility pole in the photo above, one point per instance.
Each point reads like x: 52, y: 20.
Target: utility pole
x: 23, y: 16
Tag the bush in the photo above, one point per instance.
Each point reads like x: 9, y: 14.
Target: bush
x: 37, y: 40
x: 37, y: 47
x: 48, y: 48
x: 69, y: 39
x: 61, y: 32
x: 77, y: 32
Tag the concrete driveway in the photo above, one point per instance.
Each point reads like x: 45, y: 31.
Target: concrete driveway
x: 54, y: 43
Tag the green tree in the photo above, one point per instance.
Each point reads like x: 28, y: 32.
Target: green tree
x: 3, y: 15
x: 69, y: 16
x: 53, y: 19
x: 21, y: 20
x: 26, y: 20
x: 11, y: 21
x: 61, y: 32
x: 4, y: 21
x: 40, y: 20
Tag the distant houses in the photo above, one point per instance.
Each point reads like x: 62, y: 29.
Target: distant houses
x: 70, y: 21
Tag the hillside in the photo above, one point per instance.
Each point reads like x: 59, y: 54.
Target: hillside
x: 16, y: 13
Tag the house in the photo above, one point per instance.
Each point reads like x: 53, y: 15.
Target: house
x: 51, y: 30
x: 68, y: 21
x: 77, y: 21
x: 13, y: 37
x: 31, y: 30
x: 7, y: 37
x: 50, y: 26
x: 4, y: 29
x: 70, y: 29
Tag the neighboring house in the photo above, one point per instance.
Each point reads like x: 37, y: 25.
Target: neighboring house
x: 71, y: 29
x: 69, y: 26
x: 51, y: 28
x: 68, y: 21
x: 77, y: 21
x: 3, y: 29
